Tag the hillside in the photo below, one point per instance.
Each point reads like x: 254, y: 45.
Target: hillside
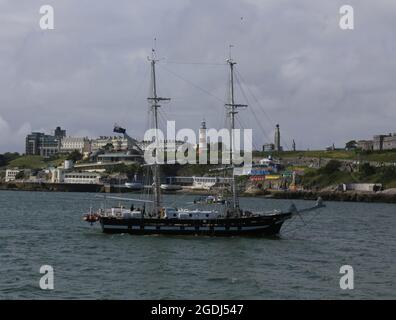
x: 377, y: 156
x: 330, y: 175
x: 35, y: 162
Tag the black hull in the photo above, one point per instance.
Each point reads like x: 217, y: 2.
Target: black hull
x: 253, y: 226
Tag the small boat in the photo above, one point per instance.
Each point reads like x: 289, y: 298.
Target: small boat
x: 171, y: 187
x: 91, y: 217
x: 210, y: 200
x: 134, y: 185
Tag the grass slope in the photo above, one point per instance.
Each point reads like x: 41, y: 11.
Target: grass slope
x: 35, y: 162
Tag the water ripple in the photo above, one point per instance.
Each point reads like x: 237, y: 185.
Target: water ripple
x: 46, y: 228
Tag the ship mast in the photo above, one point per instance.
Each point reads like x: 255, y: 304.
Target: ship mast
x: 154, y: 101
x: 232, y: 108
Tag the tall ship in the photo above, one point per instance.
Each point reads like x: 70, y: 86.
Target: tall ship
x: 149, y: 216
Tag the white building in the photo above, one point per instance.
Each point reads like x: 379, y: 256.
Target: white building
x: 268, y: 147
x: 365, y: 145
x: 11, y: 174
x: 118, y: 143
x: 368, y: 187
x: 59, y: 175
x: 163, y: 145
x: 204, y: 182
x: 69, y: 144
x: 81, y: 177
x: 198, y: 182
x: 389, y: 142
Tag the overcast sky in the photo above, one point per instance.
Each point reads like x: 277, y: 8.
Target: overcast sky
x: 296, y: 67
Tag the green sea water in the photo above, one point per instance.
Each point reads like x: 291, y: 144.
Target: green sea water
x: 40, y: 228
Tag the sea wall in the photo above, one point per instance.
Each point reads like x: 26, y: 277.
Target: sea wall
x: 44, y: 186
x: 352, y: 196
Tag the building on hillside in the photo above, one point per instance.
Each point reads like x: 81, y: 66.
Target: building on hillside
x: 11, y: 174
x: 116, y: 143
x: 378, y: 142
x: 365, y: 187
x: 365, y: 145
x: 101, y: 143
x: 49, y: 146
x: 70, y: 144
x: 164, y: 145
x: 81, y: 177
x: 384, y: 142
x: 119, y: 157
x: 268, y: 147
x: 32, y: 144
x: 59, y: 133
x: 61, y: 175
x: 41, y: 144
x: 389, y: 142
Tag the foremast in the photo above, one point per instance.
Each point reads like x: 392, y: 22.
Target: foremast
x: 232, y: 110
x: 154, y: 101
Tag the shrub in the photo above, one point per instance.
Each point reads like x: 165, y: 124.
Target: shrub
x: 366, y: 170
x: 331, y: 167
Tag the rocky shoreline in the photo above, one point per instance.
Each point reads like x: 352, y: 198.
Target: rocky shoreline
x: 336, y: 196
x: 348, y: 196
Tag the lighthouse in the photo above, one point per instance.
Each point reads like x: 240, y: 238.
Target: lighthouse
x: 202, y: 137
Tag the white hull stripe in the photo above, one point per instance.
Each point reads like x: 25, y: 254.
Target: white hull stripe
x: 164, y: 228
x: 115, y: 227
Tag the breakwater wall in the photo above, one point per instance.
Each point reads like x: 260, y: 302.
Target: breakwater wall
x: 45, y: 186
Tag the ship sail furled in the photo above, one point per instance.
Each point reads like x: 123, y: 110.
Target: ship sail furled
x: 232, y: 110
x: 154, y: 101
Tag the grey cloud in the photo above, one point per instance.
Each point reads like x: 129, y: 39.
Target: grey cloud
x: 322, y: 84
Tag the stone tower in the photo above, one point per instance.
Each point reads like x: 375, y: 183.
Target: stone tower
x: 277, y: 138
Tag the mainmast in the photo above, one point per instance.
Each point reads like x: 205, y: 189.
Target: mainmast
x: 232, y: 111
x: 154, y: 100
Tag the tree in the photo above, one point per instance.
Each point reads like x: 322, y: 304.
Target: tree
x: 351, y: 145
x: 7, y: 157
x: 75, y: 156
x: 387, y: 173
x: 366, y: 169
x: 108, y: 147
x: 331, y: 167
x: 3, y: 161
x: 122, y: 168
x: 20, y: 175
